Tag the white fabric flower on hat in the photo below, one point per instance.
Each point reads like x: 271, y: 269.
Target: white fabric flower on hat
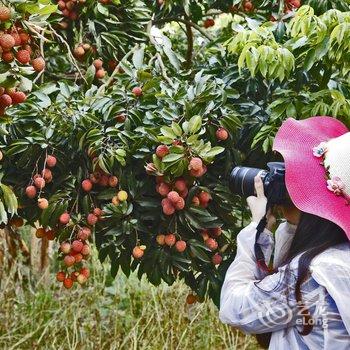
x: 320, y: 150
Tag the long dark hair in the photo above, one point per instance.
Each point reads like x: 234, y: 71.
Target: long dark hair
x: 313, y: 236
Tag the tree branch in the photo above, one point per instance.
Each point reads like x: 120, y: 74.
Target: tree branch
x: 189, y: 35
x: 186, y: 22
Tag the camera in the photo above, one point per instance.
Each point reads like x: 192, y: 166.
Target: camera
x: 241, y: 182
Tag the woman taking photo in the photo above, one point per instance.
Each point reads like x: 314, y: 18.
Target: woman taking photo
x: 303, y: 300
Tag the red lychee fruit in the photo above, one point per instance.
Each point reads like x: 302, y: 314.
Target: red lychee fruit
x: 78, y: 52
x: 39, y: 182
x: 180, y: 184
x: 97, y: 211
x: 77, y: 246
x: 209, y: 22
x: 221, y: 134
x: 47, y: 174
x: 17, y: 38
x: 7, y: 42
x: 170, y: 239
x: 163, y: 189
x: 64, y: 218
x: 81, y: 279
x: 211, y: 244
x: 103, y: 180
x: 191, y: 299
x: 216, y: 259
x: 160, y: 239
x: 200, y: 172
x: 248, y: 6
x: 184, y: 193
x: 23, y: 56
x: 137, y: 253
x: 86, y: 250
x: 204, y: 197
x: 74, y: 275
x: 196, y: 164
x: 168, y: 208
x: 7, y: 56
x: 98, y: 64
x: 65, y: 247
x: 78, y: 257
x: 68, y: 283
x: 92, y: 219
x: 137, y: 91
x: 40, y: 232
x: 5, y: 100
x: 180, y: 204
x: 51, y: 161
x: 24, y: 38
x: 180, y: 246
x: 69, y: 260
x: 5, y: 13
x: 87, y: 185
x: 162, y: 151
x: 120, y: 118
x: 50, y: 235
x: 216, y: 232
x: 85, y: 271
x: 84, y: 233
x: 38, y: 64
x: 60, y: 276
x: 100, y: 73
x: 295, y: 3
x: 43, y: 203
x: 174, y: 197
x: 195, y: 201
x: 18, y: 97
x: 31, y: 192
x: 113, y: 181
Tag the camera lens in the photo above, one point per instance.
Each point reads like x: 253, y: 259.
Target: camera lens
x: 242, y: 180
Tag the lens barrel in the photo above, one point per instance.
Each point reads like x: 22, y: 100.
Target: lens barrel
x: 241, y: 180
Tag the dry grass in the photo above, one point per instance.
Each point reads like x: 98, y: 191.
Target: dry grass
x: 106, y: 314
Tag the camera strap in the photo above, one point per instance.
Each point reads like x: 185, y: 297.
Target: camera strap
x: 259, y: 255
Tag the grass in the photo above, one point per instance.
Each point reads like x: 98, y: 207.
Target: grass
x: 105, y: 314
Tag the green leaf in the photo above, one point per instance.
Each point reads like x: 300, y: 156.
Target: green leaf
x: 137, y: 57
x: 194, y: 124
x: 172, y: 158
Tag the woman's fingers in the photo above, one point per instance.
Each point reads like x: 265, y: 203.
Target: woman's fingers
x: 259, y: 187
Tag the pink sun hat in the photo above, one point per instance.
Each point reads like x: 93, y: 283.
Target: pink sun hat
x: 316, y: 152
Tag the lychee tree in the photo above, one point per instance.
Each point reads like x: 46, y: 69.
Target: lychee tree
x: 138, y: 113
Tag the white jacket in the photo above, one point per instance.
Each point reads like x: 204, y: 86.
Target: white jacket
x: 257, y: 303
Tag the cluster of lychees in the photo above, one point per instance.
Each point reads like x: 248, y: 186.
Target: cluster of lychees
x: 102, y: 179
x: 170, y: 241
x: 81, y: 51
x: 70, y: 10
x: 99, y: 178
x: 9, y: 97
x: 15, y: 45
x: 100, y: 72
x: 174, y: 195
x: 74, y: 252
x: 39, y: 181
x: 210, y: 239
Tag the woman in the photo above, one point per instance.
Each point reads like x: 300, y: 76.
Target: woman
x: 304, y: 302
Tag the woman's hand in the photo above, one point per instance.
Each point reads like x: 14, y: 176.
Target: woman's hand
x: 257, y: 205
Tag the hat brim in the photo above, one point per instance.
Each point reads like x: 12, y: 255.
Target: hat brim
x: 305, y: 175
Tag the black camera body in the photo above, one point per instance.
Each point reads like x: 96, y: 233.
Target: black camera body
x: 241, y: 182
